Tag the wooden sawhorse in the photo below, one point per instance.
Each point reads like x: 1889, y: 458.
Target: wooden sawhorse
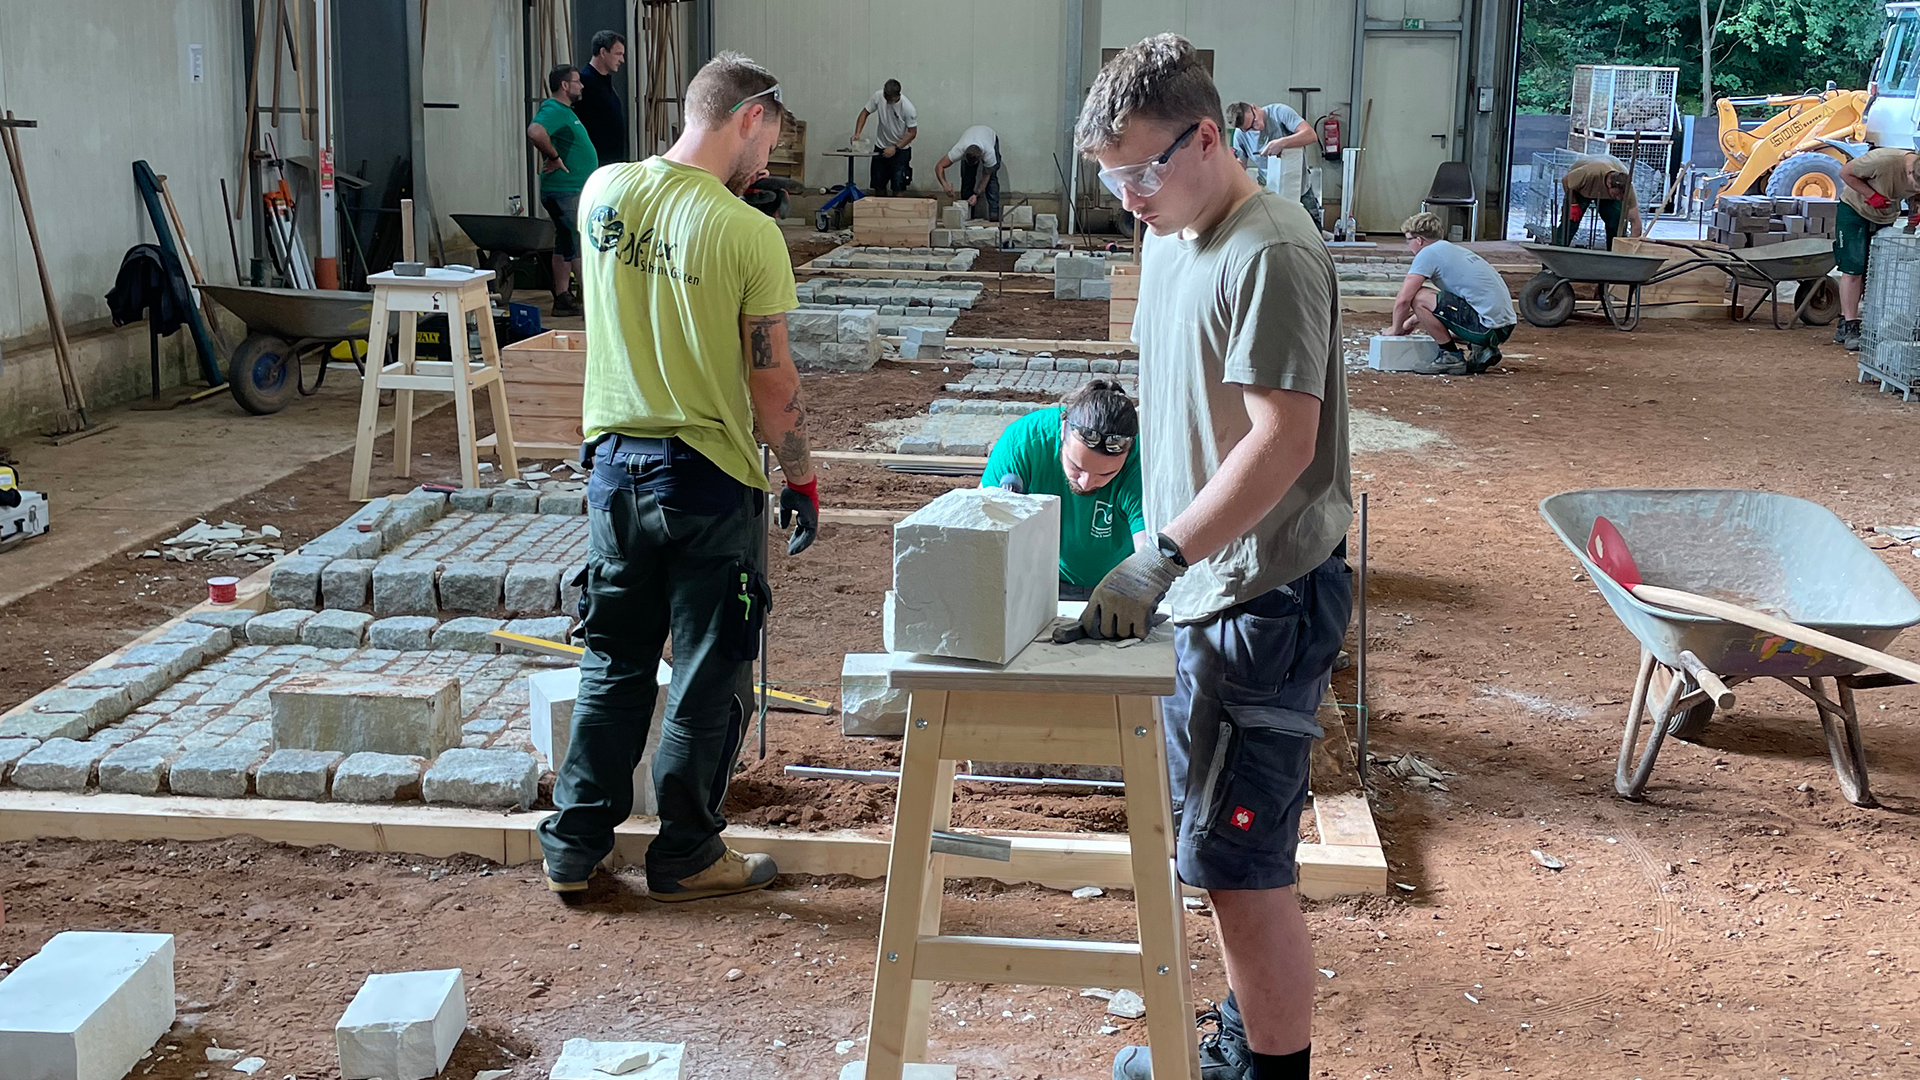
x: 1087, y: 703
x: 455, y: 294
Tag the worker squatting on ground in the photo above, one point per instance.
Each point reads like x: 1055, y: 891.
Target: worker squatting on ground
x: 687, y: 360
x: 1605, y: 181
x: 600, y: 108
x: 895, y: 126
x: 1238, y: 325
x: 1082, y: 451
x: 978, y: 153
x: 1873, y: 187
x: 1468, y: 302
x: 567, y: 158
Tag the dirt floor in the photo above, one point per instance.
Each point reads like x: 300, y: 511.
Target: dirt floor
x: 1742, y: 921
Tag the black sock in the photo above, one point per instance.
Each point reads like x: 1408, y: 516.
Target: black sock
x: 1292, y: 1066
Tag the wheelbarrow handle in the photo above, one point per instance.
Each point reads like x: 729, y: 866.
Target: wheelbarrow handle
x: 1696, y: 604
x: 1716, y: 689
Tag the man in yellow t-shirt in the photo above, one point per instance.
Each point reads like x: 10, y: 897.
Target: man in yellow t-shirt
x: 686, y: 290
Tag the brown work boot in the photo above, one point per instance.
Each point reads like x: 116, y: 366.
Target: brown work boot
x: 731, y: 873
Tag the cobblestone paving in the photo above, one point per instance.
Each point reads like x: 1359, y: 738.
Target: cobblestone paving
x: 464, y: 536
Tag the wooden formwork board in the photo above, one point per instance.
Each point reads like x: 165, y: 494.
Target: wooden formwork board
x: 1055, y: 345
x: 1056, y: 860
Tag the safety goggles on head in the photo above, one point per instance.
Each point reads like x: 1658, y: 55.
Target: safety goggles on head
x: 1146, y: 178
x: 771, y: 91
x: 1106, y: 444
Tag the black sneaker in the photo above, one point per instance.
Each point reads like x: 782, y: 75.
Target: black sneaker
x: 1223, y: 1051
x: 1450, y: 361
x: 1840, y: 331
x: 565, y: 306
x: 1482, y: 357
x: 1851, y: 342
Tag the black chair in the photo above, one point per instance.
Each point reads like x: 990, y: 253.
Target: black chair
x: 1453, y: 186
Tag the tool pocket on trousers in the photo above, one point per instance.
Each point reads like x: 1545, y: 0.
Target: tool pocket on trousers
x: 746, y: 613
x: 579, y: 582
x: 1257, y: 798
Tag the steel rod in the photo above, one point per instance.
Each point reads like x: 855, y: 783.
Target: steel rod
x: 1360, y: 653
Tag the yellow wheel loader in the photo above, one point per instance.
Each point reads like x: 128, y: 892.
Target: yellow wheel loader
x: 1799, y: 150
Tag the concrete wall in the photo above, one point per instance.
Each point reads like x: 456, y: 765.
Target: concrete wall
x: 993, y: 62
x: 124, y: 96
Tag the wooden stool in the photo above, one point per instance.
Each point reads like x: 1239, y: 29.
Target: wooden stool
x: 455, y: 294
x: 1081, y: 704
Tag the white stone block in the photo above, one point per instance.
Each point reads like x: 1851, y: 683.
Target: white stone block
x: 583, y: 1059
x: 402, y: 1026
x: 1402, y: 353
x: 550, y: 698
x: 868, y: 706
x: 976, y: 574
x: 88, y: 1006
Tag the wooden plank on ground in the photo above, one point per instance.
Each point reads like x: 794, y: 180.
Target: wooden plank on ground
x: 1053, y: 860
x: 1054, y: 345
x: 904, y: 461
x: 830, y: 515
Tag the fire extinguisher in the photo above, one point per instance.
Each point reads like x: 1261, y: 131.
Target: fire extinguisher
x: 1330, y: 135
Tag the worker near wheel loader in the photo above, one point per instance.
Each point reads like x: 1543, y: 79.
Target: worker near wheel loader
x: 1601, y: 181
x: 1875, y: 184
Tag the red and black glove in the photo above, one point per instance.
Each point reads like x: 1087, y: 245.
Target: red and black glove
x: 803, y: 500
x: 1879, y: 201
x: 1575, y: 212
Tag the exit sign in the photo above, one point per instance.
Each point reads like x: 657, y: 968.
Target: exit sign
x: 1413, y: 24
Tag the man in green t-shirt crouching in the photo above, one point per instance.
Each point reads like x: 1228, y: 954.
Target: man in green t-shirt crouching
x: 1082, y: 450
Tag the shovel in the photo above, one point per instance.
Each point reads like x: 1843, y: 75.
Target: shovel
x: 1608, y: 550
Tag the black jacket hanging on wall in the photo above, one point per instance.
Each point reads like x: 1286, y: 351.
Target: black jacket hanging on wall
x: 144, y: 285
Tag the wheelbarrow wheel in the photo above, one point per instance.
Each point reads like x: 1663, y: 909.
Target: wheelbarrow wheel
x: 1819, y: 301
x: 1547, y: 300
x: 1690, y: 724
x: 263, y: 374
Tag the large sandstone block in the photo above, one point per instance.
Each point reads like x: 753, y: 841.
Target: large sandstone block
x: 87, y: 1006
x: 416, y: 715
x: 975, y: 574
x: 868, y: 706
x: 402, y: 1026
x: 550, y: 698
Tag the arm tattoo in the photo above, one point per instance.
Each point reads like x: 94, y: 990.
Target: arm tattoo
x: 760, y: 334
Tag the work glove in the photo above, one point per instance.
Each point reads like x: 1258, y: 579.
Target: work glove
x: 1122, y: 604
x: 1012, y: 482
x: 1879, y: 201
x: 1576, y: 212
x: 802, y: 500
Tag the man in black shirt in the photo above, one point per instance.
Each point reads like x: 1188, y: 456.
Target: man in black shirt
x: 600, y: 107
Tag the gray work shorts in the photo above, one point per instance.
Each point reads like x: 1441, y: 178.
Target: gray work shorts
x: 1240, y: 726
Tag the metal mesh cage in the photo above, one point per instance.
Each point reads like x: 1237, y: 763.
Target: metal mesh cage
x: 1890, y: 310
x: 1546, y: 199
x: 1612, y: 98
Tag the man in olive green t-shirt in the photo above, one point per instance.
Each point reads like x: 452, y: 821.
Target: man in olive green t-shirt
x: 567, y: 158
x: 1082, y: 451
x: 687, y: 289
x: 1873, y: 186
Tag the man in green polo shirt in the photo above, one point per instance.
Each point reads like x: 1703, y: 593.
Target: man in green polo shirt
x: 1082, y: 451
x: 567, y: 158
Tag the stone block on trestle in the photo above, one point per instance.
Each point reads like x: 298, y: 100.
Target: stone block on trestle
x: 975, y: 574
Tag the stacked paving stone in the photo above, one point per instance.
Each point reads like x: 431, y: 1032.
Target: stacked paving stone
x: 971, y: 432
x: 1743, y: 221
x: 879, y: 258
x: 890, y: 296
x: 1054, y: 382
x: 1022, y: 229
x: 1083, y: 275
x: 834, y: 338
x: 513, y: 549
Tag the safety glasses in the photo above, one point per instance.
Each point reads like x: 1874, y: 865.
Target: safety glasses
x: 1146, y: 178
x: 771, y: 91
x: 1106, y: 444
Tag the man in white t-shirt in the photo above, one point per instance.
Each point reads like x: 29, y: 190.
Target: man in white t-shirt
x: 895, y: 126
x: 978, y: 153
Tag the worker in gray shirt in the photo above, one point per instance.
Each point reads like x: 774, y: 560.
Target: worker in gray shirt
x: 1469, y: 300
x: 895, y: 126
x: 1246, y: 488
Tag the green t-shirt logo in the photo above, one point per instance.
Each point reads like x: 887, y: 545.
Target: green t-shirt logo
x: 1102, y: 518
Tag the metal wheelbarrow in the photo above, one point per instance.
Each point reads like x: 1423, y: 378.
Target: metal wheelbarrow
x: 504, y: 239
x: 1807, y: 263
x: 283, y: 327
x: 1548, y: 299
x: 1775, y: 553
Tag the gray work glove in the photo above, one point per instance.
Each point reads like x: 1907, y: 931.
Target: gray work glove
x: 1012, y: 482
x: 1122, y: 604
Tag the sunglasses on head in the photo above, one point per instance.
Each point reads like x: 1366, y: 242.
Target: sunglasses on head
x: 1106, y: 444
x: 771, y: 91
x: 1146, y: 178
